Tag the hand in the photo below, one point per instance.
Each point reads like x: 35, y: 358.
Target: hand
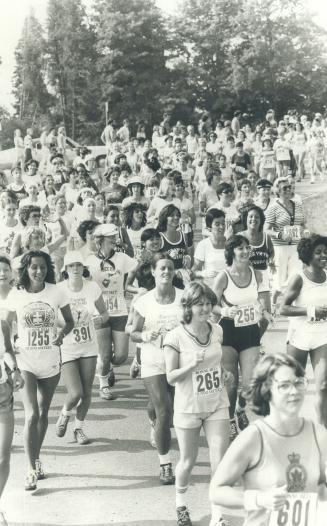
x: 98, y: 322
x: 227, y: 378
x: 17, y: 380
x: 57, y: 341
x: 198, y: 358
x: 141, y: 291
x: 148, y: 336
x: 232, y: 311
x: 321, y: 313
x: 187, y: 262
x: 272, y: 499
x: 209, y: 273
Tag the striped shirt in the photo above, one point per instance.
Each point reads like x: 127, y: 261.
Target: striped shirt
x: 277, y: 216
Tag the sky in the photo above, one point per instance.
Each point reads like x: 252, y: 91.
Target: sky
x: 13, y: 13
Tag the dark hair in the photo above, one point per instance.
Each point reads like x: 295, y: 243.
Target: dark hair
x: 224, y: 186
x: 212, y: 170
x: 23, y: 278
x: 233, y: 242
x: 113, y: 169
x: 212, y: 214
x: 259, y: 211
x: 192, y: 295
x: 5, y: 260
x: 110, y: 208
x: 26, y: 211
x: 125, y: 167
x: 86, y: 273
x: 158, y: 257
x: 149, y: 233
x: 86, y: 226
x: 243, y: 182
x: 306, y: 247
x: 134, y: 207
x: 259, y: 392
x: 166, y: 212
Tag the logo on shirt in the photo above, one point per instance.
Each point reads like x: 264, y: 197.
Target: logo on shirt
x: 296, y: 474
x: 39, y: 314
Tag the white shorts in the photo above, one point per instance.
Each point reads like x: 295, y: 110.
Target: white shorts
x: 152, y: 364
x: 305, y: 340
x: 287, y: 263
x: 195, y: 420
x: 70, y: 355
x: 264, y: 285
x: 41, y: 368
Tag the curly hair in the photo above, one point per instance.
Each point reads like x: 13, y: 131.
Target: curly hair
x: 25, y: 212
x: 86, y: 226
x: 166, y: 212
x: 306, y: 247
x: 233, y: 242
x: 192, y: 295
x: 258, y: 393
x: 23, y: 277
x: 129, y: 212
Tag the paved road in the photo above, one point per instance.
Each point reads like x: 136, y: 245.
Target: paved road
x: 114, y: 480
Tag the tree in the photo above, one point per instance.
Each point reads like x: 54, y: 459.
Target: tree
x: 29, y: 87
x: 131, y: 43
x: 72, y: 67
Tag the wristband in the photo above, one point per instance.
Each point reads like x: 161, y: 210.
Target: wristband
x: 250, y: 500
x: 311, y: 313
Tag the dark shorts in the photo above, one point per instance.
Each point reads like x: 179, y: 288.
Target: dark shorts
x: 6, y: 397
x: 240, y: 338
x: 116, y: 323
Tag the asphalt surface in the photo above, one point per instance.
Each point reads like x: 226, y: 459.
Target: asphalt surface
x: 114, y: 480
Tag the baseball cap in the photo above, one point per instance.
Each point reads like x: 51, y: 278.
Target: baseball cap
x: 105, y: 230
x: 239, y: 144
x: 263, y: 183
x: 135, y: 180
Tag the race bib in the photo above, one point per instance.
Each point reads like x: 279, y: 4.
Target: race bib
x: 240, y: 169
x: 206, y: 381
x: 151, y: 191
x: 282, y: 154
x: 82, y: 334
x: 113, y: 300
x: 293, y: 232
x: 39, y: 338
x: 269, y: 162
x: 57, y: 178
x: 3, y: 374
x: 246, y: 315
x: 300, y: 509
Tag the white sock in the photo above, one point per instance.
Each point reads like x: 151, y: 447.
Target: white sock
x: 103, y: 381
x: 165, y: 459
x: 181, y: 496
x: 65, y: 412
x: 78, y: 424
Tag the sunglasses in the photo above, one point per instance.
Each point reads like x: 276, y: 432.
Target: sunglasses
x: 288, y: 187
x: 226, y: 192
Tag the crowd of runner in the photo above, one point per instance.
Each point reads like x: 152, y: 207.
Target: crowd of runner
x: 178, y: 249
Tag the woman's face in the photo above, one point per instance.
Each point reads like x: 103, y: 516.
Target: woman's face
x: 287, y: 391
x: 99, y: 202
x: 32, y: 190
x: 136, y: 190
x: 36, y: 241
x: 252, y: 177
x: 319, y: 256
x: 113, y: 217
x: 74, y: 270
x: 218, y: 226
x: 114, y: 177
x: 264, y: 192
x: 5, y: 274
x: 285, y: 190
x: 245, y: 190
x: 153, y: 244
x: 179, y: 190
x: 90, y: 207
x: 10, y: 210
x: 137, y: 216
x: 37, y: 271
x: 173, y: 220
x: 108, y: 244
x: 17, y: 175
x: 61, y: 206
x: 164, y: 272
x: 226, y: 197
x: 49, y: 183
x: 201, y: 310
x: 34, y: 219
x: 253, y: 220
x: 241, y: 253
x: 31, y: 169
x: 170, y: 187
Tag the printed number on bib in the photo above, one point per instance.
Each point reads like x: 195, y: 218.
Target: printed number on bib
x: 269, y: 162
x: 111, y: 301
x: 38, y: 338
x: 246, y: 315
x: 293, y: 232
x: 206, y: 381
x: 300, y: 509
x: 82, y: 334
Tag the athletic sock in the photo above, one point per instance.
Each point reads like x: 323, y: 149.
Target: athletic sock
x: 78, y: 424
x: 165, y: 459
x: 103, y: 380
x: 181, y: 496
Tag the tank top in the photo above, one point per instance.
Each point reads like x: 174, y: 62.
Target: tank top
x: 235, y: 295
x: 202, y: 389
x: 259, y: 255
x: 177, y: 251
x: 294, y: 461
x: 311, y: 294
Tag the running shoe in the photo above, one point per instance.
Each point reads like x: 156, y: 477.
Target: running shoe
x: 242, y: 419
x: 152, y: 434
x: 40, y: 475
x: 220, y: 522
x: 135, y: 368
x: 3, y: 521
x: 61, y: 425
x: 105, y: 393
x: 31, y: 481
x: 233, y: 432
x: 183, y: 516
x: 167, y: 476
x: 81, y: 437
x: 111, y: 377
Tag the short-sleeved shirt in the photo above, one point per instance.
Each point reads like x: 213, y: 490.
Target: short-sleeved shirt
x: 212, y: 258
x: 109, y: 275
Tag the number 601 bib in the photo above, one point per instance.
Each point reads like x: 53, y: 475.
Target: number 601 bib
x: 300, y: 509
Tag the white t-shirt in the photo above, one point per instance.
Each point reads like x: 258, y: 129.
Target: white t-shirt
x: 83, y: 309
x: 7, y: 234
x: 110, y: 278
x: 212, y: 258
x: 37, y: 318
x: 160, y: 318
x: 135, y: 239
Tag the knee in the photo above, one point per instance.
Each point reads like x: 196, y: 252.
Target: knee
x: 186, y: 464
x: 120, y: 359
x: 31, y: 419
x: 164, y: 413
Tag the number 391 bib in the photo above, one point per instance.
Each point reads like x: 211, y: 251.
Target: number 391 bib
x: 246, y: 315
x: 300, y: 509
x: 206, y: 381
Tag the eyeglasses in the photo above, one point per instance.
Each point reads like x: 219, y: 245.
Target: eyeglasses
x: 285, y: 387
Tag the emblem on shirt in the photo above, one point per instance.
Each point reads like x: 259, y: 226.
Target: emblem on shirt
x: 39, y: 314
x: 296, y: 474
